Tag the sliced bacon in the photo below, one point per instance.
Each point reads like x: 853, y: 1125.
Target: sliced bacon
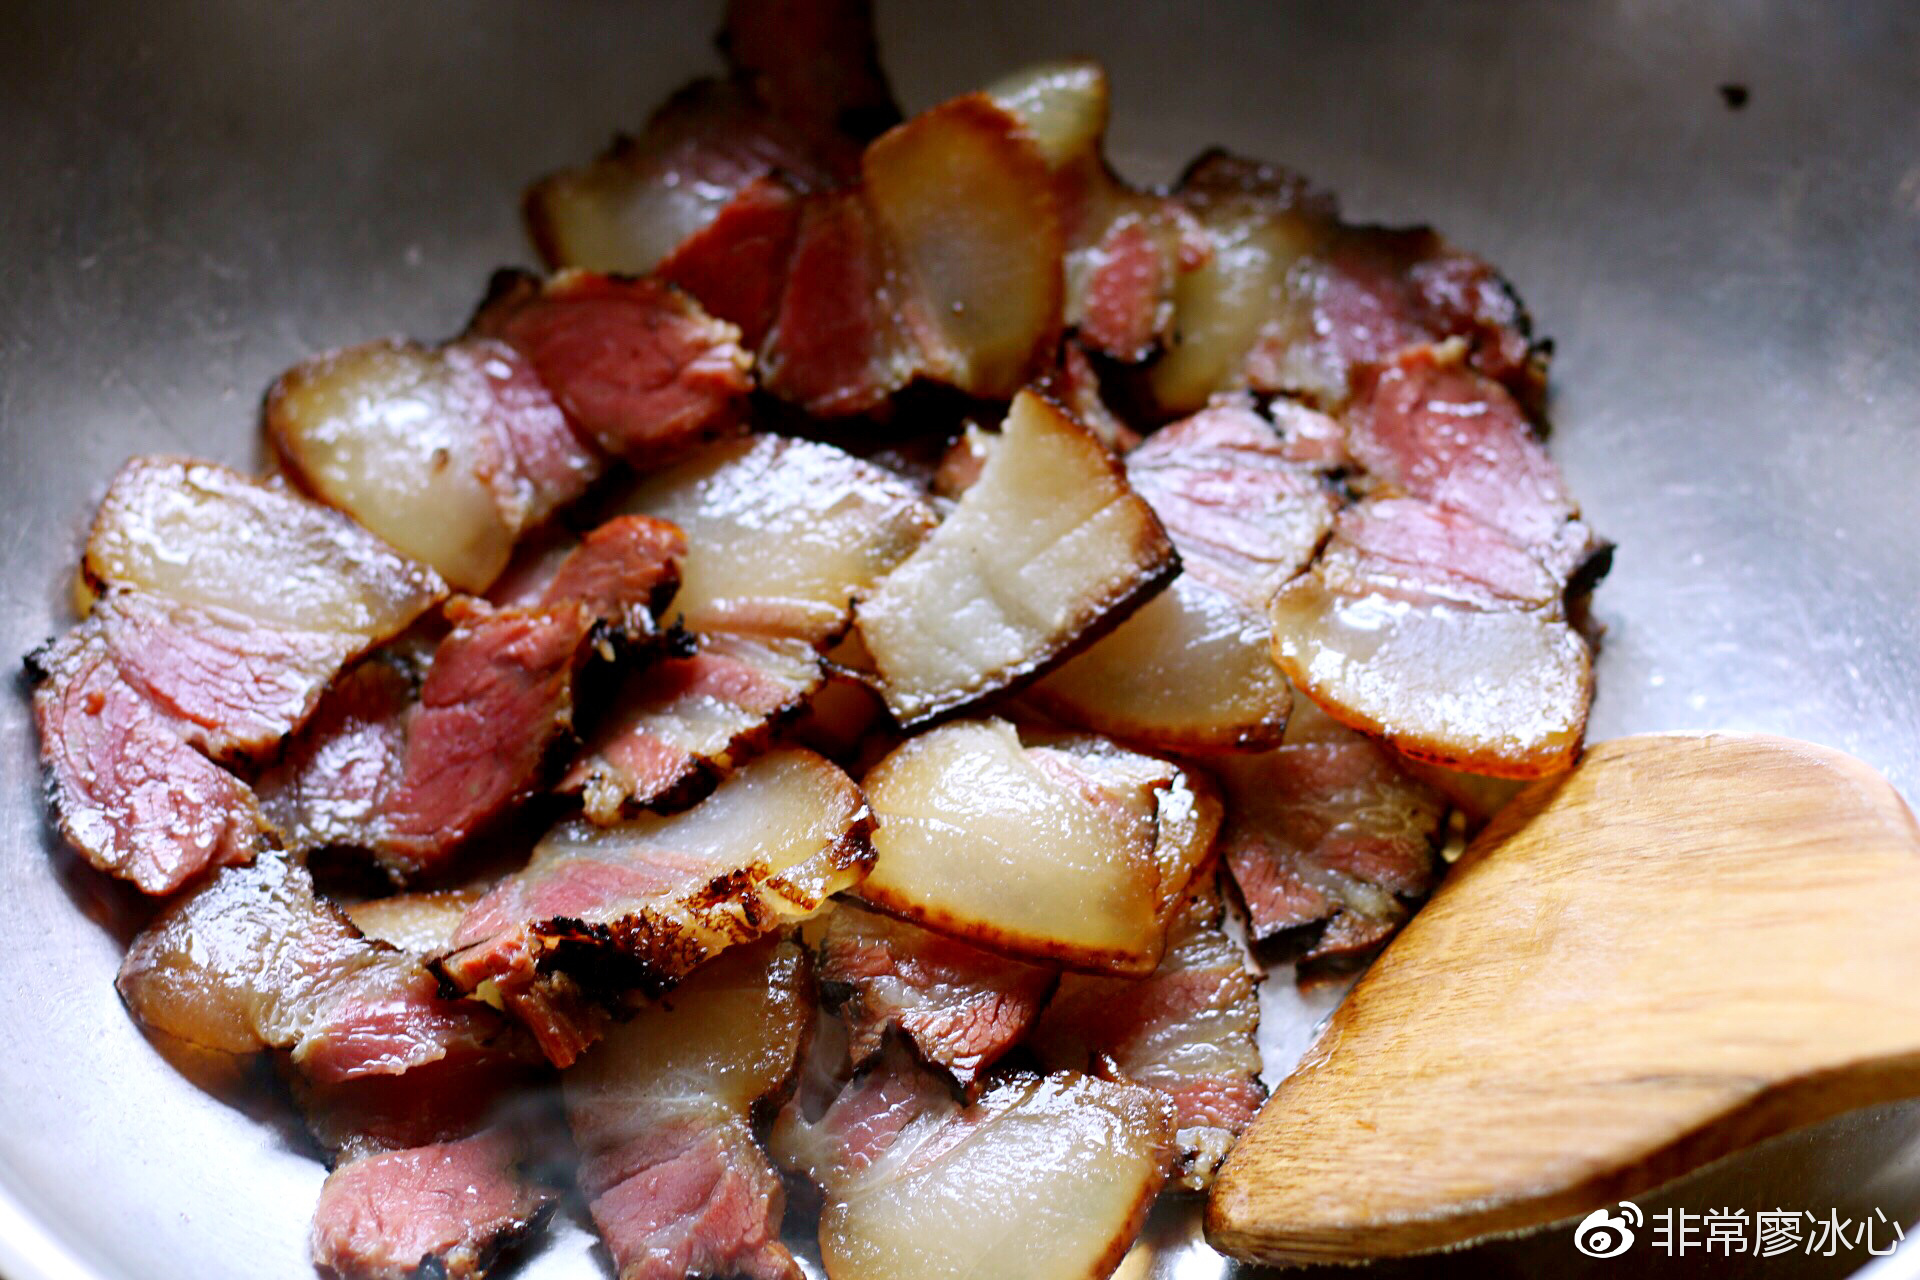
x: 1076, y: 385
x: 448, y: 453
x: 636, y: 365
x: 835, y: 346
x: 944, y: 265
x: 447, y: 1209
x: 736, y: 266
x: 1293, y: 300
x: 1423, y: 626
x: 1047, y: 550
x: 131, y: 795
x: 1328, y: 830
x: 1430, y: 425
x: 636, y: 204
x: 782, y: 534
x: 663, y: 1114
x: 413, y: 778
x: 960, y: 1008
x: 1125, y: 249
x: 1056, y: 1173
x: 255, y: 959
x: 1243, y: 515
x: 1047, y: 854
x: 1191, y: 670
x: 1187, y: 1030
x: 601, y: 910
x: 221, y: 609
x: 681, y: 721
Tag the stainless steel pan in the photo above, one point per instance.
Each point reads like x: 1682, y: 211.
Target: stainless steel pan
x: 194, y: 195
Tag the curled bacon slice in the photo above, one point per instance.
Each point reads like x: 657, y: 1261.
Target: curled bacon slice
x: 600, y: 910
x: 959, y: 1007
x: 637, y: 366
x: 444, y: 1209
x: 1425, y: 627
x: 1045, y: 854
x: 1048, y: 549
x: 1057, y: 1172
x: 1186, y: 1030
x: 679, y: 722
x: 663, y: 1113
x: 1328, y: 830
x: 255, y: 959
x: 1291, y: 299
x: 130, y: 793
x: 1430, y: 425
x: 944, y: 264
x: 449, y: 454
x: 782, y: 534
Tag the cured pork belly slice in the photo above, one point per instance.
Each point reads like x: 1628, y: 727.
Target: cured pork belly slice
x: 1124, y: 248
x: 426, y: 1176
x: 254, y: 959
x: 447, y: 453
x: 600, y: 910
x: 663, y: 1112
x: 221, y: 608
x: 782, y: 534
x: 411, y: 778
x: 1032, y: 852
x: 1422, y: 626
x: 1192, y: 670
x: 736, y: 265
x: 1243, y: 514
x: 1049, y: 548
x: 1328, y: 830
x: 945, y: 264
x: 199, y: 534
x: 447, y: 1209
x: 646, y: 196
x: 1188, y: 1030
x: 1431, y: 426
x: 635, y: 364
x: 1043, y: 1178
x: 806, y: 92
x: 679, y: 722
x: 960, y: 1008
x: 1187, y: 808
x: 132, y: 796
x: 1293, y: 300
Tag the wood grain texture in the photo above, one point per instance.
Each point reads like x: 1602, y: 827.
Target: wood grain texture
x: 1685, y: 945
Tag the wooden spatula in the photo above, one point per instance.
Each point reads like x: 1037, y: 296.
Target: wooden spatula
x: 1686, y: 945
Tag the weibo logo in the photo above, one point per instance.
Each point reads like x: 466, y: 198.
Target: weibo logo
x: 1608, y: 1235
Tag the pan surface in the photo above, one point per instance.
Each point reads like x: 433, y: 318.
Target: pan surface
x: 195, y: 195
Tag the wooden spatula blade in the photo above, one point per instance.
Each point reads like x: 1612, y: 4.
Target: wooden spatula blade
x: 1687, y: 944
